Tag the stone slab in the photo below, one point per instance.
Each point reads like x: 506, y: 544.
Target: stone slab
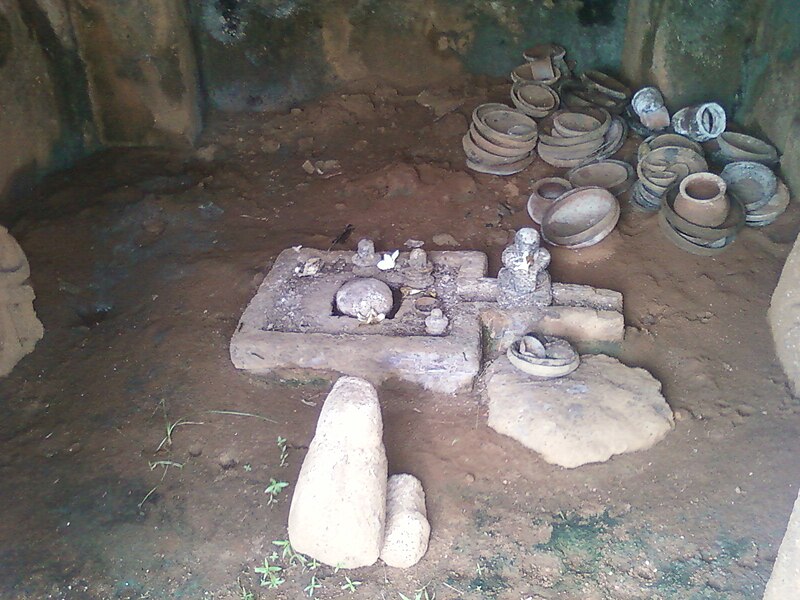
x: 291, y: 323
x: 602, y: 409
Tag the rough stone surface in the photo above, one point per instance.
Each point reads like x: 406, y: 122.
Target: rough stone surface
x: 20, y: 329
x: 359, y: 296
x: 338, y: 508
x: 602, y: 409
x: 407, y: 527
x: 784, y: 318
x: 784, y: 583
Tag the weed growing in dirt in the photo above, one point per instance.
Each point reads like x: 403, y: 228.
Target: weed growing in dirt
x: 244, y: 593
x: 270, y: 575
x: 312, y: 587
x: 288, y: 553
x: 273, y: 489
x: 420, y: 594
x: 284, y: 451
x: 350, y: 585
x: 171, y: 427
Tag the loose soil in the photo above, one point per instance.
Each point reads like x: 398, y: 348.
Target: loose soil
x: 119, y: 480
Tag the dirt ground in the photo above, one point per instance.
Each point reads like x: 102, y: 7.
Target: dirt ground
x: 118, y: 480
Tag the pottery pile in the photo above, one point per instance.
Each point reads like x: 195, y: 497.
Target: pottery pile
x: 569, y: 138
x: 544, y: 64
x: 664, y: 161
x: 699, y: 216
x: 763, y: 196
x: 500, y: 141
x: 534, y: 99
x: 581, y: 217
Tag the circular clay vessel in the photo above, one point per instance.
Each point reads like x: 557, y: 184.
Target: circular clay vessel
x: 701, y: 199
x: 544, y: 193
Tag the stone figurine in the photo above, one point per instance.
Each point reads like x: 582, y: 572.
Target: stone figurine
x: 524, y: 281
x: 418, y: 272
x: 20, y: 329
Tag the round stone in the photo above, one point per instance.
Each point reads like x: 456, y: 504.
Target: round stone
x: 360, y: 297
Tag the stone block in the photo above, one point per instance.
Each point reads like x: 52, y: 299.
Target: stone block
x: 338, y: 507
x: 407, y: 527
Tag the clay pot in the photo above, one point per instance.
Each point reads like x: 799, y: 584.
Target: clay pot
x: 581, y: 218
x: 544, y: 193
x: 700, y: 123
x: 606, y: 85
x: 701, y: 199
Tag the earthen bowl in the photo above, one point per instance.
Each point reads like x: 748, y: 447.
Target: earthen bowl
x: 772, y: 209
x: 753, y: 184
x: 740, y: 147
x: 544, y: 193
x: 581, y: 217
x: 515, y: 150
x: 606, y: 84
x: 614, y: 175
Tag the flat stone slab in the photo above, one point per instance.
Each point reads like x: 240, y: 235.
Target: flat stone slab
x: 602, y: 409
x: 291, y: 324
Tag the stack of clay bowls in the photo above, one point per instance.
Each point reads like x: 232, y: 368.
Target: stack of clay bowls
x: 757, y: 188
x: 700, y: 123
x: 732, y: 147
x: 598, y: 90
x: 540, y: 65
x: 544, y: 193
x: 616, y: 176
x: 664, y: 160
x: 569, y: 138
x: 580, y: 218
x: 534, y: 99
x: 500, y: 140
x: 698, y: 216
x: 543, y: 356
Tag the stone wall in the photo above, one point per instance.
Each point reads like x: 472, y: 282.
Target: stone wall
x: 79, y: 74
x: 744, y: 54
x: 267, y: 54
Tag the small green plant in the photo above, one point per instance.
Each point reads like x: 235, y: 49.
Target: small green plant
x: 284, y: 451
x: 312, y: 587
x: 311, y: 565
x: 420, y: 594
x: 350, y: 585
x: 244, y: 593
x: 288, y: 553
x: 273, y: 489
x: 270, y: 575
x: 479, y: 570
x: 171, y: 427
x: 247, y: 467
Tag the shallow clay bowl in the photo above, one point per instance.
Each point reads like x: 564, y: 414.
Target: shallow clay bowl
x: 507, y: 169
x: 685, y: 243
x: 613, y: 175
x: 667, y: 139
x: 514, y: 151
x: 477, y: 154
x: 524, y: 73
x: 551, y: 136
x: 508, y: 127
x: 772, y: 209
x: 564, y: 363
x: 534, y: 96
x: 606, y: 84
x: 581, y: 216
x: 752, y: 183
x: 738, y: 146
x: 575, y: 124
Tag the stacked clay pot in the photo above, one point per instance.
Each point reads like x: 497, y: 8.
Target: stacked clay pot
x: 664, y: 161
x: 596, y: 89
x: 534, y: 99
x: 500, y: 141
x: 543, y: 64
x: 758, y: 189
x: 732, y: 147
x: 699, y: 216
x: 580, y: 218
x: 569, y: 138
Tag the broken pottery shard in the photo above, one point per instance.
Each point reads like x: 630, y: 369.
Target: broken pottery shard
x: 339, y: 505
x: 20, y: 329
x: 602, y: 409
x: 407, y: 527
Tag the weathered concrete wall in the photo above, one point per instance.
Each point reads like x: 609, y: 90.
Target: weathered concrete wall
x: 141, y: 68
x: 76, y: 74
x: 45, y: 113
x: 264, y: 54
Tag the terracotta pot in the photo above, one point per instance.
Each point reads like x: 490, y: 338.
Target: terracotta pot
x: 701, y: 199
